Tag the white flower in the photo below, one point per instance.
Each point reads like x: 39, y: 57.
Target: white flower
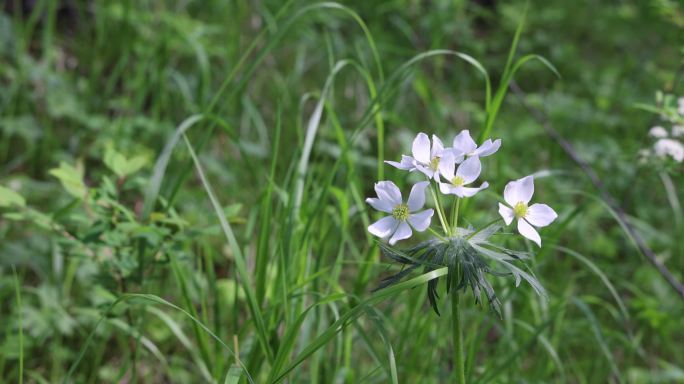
x: 658, y: 132
x: 425, y: 158
x: 466, y: 173
x: 465, y: 146
x: 518, y: 194
x: 680, y: 106
x: 678, y: 130
x: 665, y: 147
x: 396, y: 226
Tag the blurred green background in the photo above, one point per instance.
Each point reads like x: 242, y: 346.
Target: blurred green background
x: 93, y: 92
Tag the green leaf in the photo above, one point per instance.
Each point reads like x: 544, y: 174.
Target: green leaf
x: 71, y: 179
x: 120, y: 165
x: 9, y: 198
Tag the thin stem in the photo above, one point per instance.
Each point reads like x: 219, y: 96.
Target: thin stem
x: 459, y: 366
x: 440, y: 212
x: 483, y: 227
x: 454, y: 213
x: 436, y: 234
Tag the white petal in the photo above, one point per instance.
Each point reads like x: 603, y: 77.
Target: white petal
x: 384, y: 227
x: 437, y: 147
x: 464, y: 143
x: 528, y: 231
x: 446, y: 188
x: 425, y: 170
x: 458, y: 155
x: 519, y: 190
x: 403, y: 232
x: 447, y: 166
x: 540, y: 215
x: 421, y: 148
x: 406, y: 163
x: 416, y: 199
x: 380, y: 205
x: 421, y: 221
x: 488, y: 148
x: 506, y: 213
x: 468, y: 192
x: 388, y: 191
x: 469, y: 170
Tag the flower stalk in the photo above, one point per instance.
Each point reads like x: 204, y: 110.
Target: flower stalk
x: 457, y: 335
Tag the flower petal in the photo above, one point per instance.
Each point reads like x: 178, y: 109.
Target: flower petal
x: 437, y: 147
x: 447, y: 166
x: 464, y: 143
x: 540, y: 215
x: 406, y: 163
x: 488, y: 148
x: 467, y: 191
x: 388, y: 191
x: 469, y: 170
x: 506, y: 213
x: 528, y: 231
x: 416, y: 199
x: 446, y: 188
x: 519, y: 190
x: 384, y: 227
x: 421, y: 148
x: 421, y: 221
x: 380, y: 205
x: 426, y: 170
x: 403, y: 232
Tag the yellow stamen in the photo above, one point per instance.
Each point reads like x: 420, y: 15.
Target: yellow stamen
x: 434, y: 163
x: 457, y: 181
x: 520, y: 209
x: 400, y: 212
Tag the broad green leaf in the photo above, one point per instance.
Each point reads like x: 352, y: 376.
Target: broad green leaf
x: 10, y: 198
x: 120, y: 165
x: 71, y: 179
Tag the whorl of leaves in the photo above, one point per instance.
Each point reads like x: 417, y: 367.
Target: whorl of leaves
x: 466, y: 256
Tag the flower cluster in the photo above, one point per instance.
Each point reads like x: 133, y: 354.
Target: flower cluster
x: 452, y: 170
x: 466, y: 252
x: 668, y: 143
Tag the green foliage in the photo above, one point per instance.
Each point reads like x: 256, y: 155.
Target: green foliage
x: 182, y: 185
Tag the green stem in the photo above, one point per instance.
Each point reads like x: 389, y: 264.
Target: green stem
x: 440, y: 212
x: 454, y: 213
x: 436, y: 234
x: 459, y: 366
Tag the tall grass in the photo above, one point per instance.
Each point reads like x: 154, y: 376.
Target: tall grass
x: 265, y: 125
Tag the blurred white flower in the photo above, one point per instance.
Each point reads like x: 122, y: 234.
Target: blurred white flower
x: 669, y: 147
x: 518, y: 194
x: 680, y: 106
x: 396, y: 226
x: 455, y: 182
x: 465, y: 146
x: 658, y: 132
x: 425, y: 158
x: 678, y: 131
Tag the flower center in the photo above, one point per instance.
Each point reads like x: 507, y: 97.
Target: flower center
x: 520, y: 209
x: 400, y: 212
x: 434, y: 163
x: 457, y: 181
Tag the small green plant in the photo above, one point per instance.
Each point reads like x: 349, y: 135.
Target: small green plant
x: 469, y: 254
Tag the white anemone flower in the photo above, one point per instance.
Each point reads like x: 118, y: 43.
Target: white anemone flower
x: 657, y: 132
x: 425, y: 156
x: 455, y: 182
x: 403, y: 216
x: 518, y: 194
x: 465, y: 146
x: 669, y: 147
